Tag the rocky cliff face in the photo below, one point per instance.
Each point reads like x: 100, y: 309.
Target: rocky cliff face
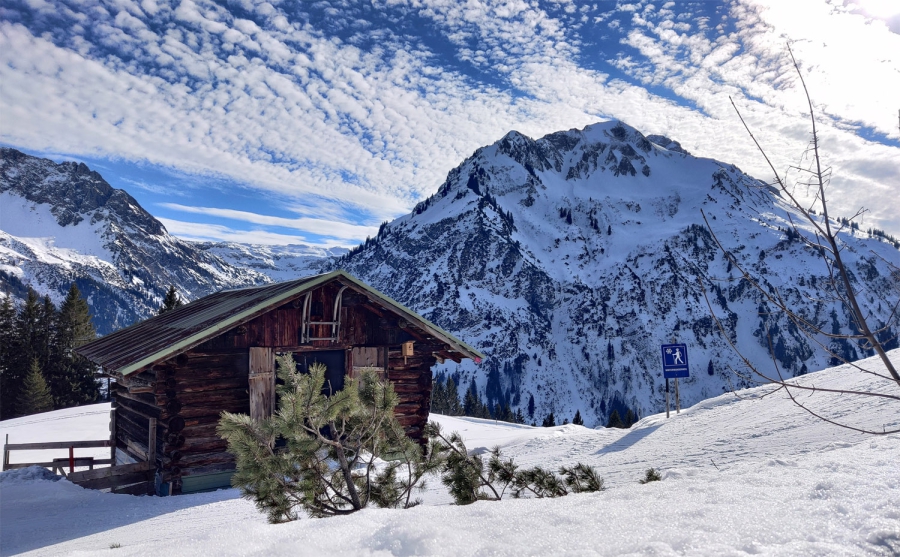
x: 63, y: 223
x: 569, y: 260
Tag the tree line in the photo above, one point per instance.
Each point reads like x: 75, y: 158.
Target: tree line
x: 39, y: 370
x: 445, y: 400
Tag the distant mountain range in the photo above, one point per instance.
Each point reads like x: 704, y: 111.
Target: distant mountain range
x: 61, y: 223
x: 568, y: 260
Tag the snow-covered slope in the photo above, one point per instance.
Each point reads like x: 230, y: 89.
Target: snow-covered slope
x: 569, y: 260
x: 61, y: 223
x: 280, y: 263
x: 748, y: 475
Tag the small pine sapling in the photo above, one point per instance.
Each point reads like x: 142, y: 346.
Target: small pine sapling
x: 581, y: 478
x: 461, y: 473
x: 651, y: 475
x: 469, y: 479
x: 330, y: 460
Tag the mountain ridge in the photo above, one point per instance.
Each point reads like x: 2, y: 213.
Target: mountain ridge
x: 570, y: 259
x: 567, y: 260
x: 63, y: 223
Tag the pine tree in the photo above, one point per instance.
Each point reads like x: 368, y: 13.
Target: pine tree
x: 531, y: 406
x: 23, y: 338
x: 709, y: 368
x: 73, y: 380
x: 549, y: 421
x: 327, y: 465
x: 630, y: 418
x: 454, y: 407
x: 171, y: 301
x: 577, y: 420
x: 27, y: 335
x: 438, y: 397
x: 472, y: 405
x: 615, y: 420
x: 45, y: 332
x: 34, y: 395
x: 9, y: 384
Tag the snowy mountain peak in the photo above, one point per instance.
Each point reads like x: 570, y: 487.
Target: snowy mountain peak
x: 73, y: 191
x: 569, y: 259
x: 63, y: 223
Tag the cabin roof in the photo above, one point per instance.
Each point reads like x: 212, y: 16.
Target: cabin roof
x: 163, y: 336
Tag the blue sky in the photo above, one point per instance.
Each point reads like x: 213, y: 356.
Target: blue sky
x: 313, y: 122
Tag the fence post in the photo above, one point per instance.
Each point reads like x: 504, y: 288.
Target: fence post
x: 6, y: 453
x: 112, y: 436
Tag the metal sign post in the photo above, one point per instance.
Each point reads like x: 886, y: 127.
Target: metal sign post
x: 675, y: 365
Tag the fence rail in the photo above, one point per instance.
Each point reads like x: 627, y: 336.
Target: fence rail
x: 57, y: 463
x: 135, y: 479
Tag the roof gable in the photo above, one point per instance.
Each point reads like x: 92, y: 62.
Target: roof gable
x: 164, y: 336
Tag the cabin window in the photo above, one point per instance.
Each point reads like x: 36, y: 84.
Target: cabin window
x: 335, y: 367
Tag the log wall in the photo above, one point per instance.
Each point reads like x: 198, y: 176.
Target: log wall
x: 191, y: 391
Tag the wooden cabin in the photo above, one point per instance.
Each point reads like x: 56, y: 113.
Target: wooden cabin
x: 177, y: 372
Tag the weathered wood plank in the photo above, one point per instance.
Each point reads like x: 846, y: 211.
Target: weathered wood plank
x: 234, y: 406
x: 114, y: 481
x: 210, y: 468
x: 203, y: 445
x: 190, y: 462
x: 79, y: 462
x: 209, y: 396
x: 57, y: 445
x: 200, y: 385
x: 108, y: 472
x: 147, y: 409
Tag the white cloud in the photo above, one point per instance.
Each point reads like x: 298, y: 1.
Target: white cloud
x: 323, y: 227
x: 217, y: 233
x: 339, y: 129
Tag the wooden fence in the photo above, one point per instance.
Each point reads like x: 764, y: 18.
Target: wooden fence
x: 57, y: 464
x: 135, y: 479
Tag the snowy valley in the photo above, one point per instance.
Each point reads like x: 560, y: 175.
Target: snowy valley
x: 748, y: 474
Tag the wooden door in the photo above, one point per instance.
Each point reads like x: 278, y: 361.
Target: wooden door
x: 262, y: 382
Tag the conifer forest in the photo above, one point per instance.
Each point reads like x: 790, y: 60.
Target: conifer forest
x: 39, y: 370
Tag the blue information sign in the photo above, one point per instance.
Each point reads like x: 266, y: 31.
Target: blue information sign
x: 675, y: 361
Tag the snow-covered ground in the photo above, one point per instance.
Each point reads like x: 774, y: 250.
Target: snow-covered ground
x: 748, y: 475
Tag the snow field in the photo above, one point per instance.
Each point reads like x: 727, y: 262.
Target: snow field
x: 749, y: 475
